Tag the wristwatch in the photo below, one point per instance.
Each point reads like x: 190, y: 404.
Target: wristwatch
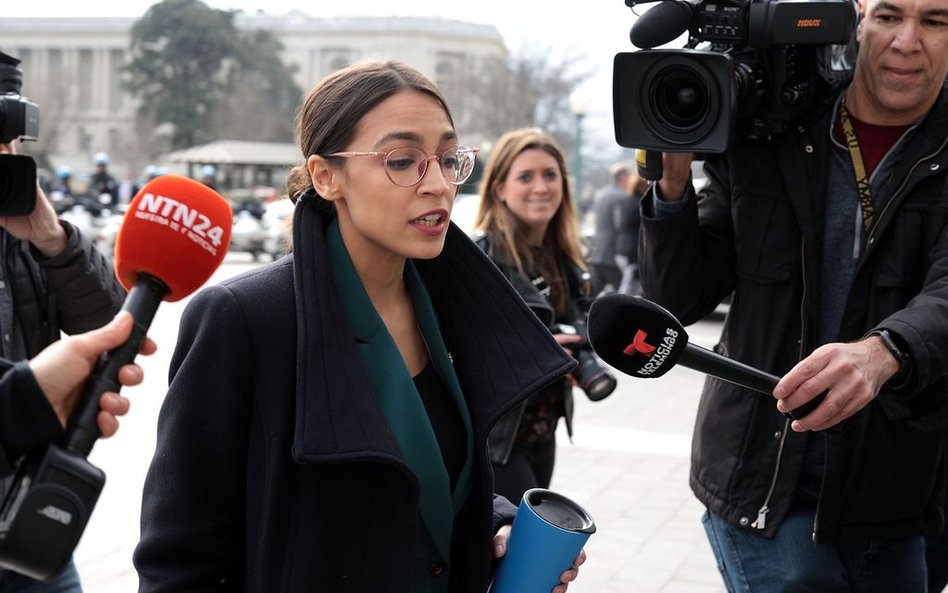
x: 904, y: 358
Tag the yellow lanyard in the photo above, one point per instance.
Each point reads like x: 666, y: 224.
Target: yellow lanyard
x: 862, y: 180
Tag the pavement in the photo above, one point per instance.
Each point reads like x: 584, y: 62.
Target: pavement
x: 627, y: 466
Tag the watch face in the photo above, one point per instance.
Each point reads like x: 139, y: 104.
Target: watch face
x: 891, y: 346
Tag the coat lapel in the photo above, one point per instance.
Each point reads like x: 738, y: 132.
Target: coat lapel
x: 431, y: 331
x: 397, y: 396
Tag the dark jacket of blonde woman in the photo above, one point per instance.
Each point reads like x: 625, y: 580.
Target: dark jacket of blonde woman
x: 503, y: 438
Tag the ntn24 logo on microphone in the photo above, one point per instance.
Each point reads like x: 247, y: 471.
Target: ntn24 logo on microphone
x: 180, y: 217
x: 176, y: 230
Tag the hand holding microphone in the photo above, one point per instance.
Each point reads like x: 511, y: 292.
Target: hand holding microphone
x: 852, y: 373
x: 62, y: 368
x: 175, y: 233
x: 642, y: 339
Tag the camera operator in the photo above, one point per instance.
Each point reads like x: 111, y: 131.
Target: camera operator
x: 529, y: 227
x: 52, y: 279
x: 836, y: 252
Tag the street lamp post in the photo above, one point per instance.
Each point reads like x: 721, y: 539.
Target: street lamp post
x: 579, y: 105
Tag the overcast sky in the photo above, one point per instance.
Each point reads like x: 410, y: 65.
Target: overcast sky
x: 591, y: 29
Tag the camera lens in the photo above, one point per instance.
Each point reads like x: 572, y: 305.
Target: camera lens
x: 684, y: 97
x: 681, y: 100
x: 596, y: 382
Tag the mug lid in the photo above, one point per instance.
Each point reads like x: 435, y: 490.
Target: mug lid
x: 559, y: 511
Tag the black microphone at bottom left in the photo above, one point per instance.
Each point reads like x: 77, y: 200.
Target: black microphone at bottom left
x: 46, y: 511
x: 54, y: 491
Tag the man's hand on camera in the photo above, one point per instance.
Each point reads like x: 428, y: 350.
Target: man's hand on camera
x: 676, y: 173
x: 41, y: 227
x: 851, y: 374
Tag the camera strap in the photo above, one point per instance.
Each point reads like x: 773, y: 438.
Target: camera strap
x: 855, y: 153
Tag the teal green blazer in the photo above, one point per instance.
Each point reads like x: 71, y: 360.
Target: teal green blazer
x: 400, y: 401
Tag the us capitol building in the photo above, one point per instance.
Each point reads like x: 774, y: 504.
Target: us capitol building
x: 72, y: 67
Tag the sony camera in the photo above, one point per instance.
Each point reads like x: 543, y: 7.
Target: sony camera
x: 19, y: 118
x: 595, y: 381
x: 765, y: 63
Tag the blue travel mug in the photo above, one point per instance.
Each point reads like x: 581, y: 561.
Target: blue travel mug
x: 546, y: 537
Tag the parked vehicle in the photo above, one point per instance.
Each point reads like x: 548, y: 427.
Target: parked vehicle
x: 105, y: 235
x: 248, y: 234
x: 276, y: 224
x: 465, y: 211
x: 92, y: 217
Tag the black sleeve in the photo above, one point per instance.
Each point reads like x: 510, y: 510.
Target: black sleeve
x: 83, y: 280
x: 27, y: 420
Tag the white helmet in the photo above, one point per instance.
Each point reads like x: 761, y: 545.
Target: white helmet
x: 101, y: 158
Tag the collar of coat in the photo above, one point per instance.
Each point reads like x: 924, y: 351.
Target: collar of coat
x: 502, y: 352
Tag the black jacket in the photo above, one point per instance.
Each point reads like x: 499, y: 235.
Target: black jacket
x: 74, y: 292
x: 27, y: 420
x: 757, y: 230
x: 260, y: 483
x: 504, y: 435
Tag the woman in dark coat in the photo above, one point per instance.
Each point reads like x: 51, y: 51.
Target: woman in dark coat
x: 326, y: 424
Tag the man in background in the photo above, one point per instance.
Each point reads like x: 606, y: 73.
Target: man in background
x: 627, y: 234
x: 612, y: 209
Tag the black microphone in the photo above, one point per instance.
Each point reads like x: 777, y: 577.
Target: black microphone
x: 642, y: 339
x: 662, y: 24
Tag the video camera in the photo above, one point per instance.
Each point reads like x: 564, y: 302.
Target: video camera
x: 19, y: 118
x: 767, y: 62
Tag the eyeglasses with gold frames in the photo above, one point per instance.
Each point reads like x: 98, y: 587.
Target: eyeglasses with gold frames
x: 406, y: 167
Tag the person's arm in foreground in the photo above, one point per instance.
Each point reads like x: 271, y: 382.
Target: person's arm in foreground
x: 37, y: 396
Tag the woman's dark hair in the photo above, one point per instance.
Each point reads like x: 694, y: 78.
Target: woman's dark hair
x: 330, y: 113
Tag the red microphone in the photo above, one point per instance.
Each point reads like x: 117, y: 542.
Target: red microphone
x: 175, y: 233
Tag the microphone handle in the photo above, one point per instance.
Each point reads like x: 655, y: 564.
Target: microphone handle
x: 142, y: 302
x: 727, y: 369
x: 724, y: 368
